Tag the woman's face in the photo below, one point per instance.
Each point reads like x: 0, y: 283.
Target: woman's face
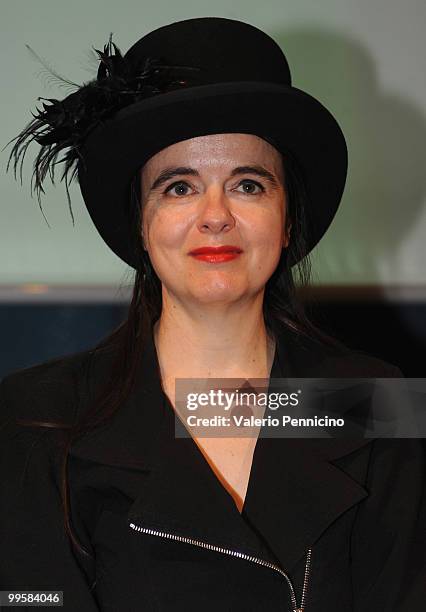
x: 211, y: 191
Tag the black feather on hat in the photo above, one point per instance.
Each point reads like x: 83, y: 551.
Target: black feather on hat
x: 63, y: 125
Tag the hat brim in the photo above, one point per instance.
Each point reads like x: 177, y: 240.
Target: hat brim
x: 298, y: 123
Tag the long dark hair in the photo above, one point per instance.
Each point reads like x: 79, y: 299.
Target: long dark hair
x: 282, y: 307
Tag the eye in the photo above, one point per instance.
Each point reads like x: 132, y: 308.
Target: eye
x: 250, y: 187
x: 180, y: 186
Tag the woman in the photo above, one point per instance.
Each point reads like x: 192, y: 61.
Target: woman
x: 196, y: 141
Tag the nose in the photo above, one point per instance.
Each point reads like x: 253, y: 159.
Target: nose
x: 215, y: 215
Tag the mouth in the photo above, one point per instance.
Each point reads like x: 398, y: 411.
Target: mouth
x: 216, y: 254
x: 210, y: 250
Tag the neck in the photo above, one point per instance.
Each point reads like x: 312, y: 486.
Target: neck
x: 194, y: 349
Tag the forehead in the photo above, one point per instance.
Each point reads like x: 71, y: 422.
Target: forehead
x: 216, y: 149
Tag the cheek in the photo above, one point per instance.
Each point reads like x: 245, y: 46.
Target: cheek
x: 166, y: 230
x: 266, y: 231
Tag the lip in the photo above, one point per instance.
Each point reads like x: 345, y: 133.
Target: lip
x: 210, y: 250
x: 217, y: 257
x: 220, y: 254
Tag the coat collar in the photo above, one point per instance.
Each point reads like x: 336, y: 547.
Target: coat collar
x: 294, y: 492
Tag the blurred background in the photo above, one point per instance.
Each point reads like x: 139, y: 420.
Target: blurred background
x: 62, y: 289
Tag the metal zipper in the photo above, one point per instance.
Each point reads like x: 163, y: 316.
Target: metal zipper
x: 236, y: 553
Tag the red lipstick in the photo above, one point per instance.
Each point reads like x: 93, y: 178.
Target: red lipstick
x: 216, y: 254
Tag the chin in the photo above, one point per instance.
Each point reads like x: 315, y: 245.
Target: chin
x: 216, y: 293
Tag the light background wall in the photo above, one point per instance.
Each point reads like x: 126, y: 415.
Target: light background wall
x: 363, y: 59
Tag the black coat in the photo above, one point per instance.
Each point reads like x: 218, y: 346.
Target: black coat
x: 163, y: 532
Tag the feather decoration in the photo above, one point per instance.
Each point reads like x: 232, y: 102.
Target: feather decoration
x: 62, y: 126
x: 54, y: 76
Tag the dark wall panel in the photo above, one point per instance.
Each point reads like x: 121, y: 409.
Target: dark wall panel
x: 31, y: 334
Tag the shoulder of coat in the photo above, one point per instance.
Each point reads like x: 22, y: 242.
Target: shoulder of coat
x: 312, y: 358
x: 357, y: 364
x: 46, y: 391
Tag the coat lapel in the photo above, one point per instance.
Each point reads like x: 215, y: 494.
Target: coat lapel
x: 294, y: 492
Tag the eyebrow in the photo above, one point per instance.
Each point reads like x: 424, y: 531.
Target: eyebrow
x: 169, y: 173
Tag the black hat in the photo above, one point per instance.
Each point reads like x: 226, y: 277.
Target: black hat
x: 191, y: 78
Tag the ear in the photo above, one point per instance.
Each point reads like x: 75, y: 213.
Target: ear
x: 286, y: 236
x: 143, y: 242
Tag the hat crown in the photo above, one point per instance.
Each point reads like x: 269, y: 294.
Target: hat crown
x: 223, y: 49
